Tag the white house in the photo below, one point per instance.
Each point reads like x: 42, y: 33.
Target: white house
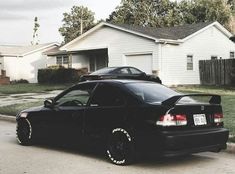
x: 172, y: 53
x: 23, y: 62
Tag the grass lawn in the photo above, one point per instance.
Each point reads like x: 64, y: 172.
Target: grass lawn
x: 30, y: 88
x: 14, y: 109
x: 228, y: 101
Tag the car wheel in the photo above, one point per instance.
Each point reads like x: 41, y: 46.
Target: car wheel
x: 24, y: 132
x: 120, y: 147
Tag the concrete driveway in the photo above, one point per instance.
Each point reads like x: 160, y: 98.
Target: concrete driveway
x: 16, y: 159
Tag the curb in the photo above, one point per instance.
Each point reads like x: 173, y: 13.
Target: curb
x: 230, y: 146
x: 8, y: 118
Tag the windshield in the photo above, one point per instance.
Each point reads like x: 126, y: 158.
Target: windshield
x: 151, y: 92
x: 103, y: 71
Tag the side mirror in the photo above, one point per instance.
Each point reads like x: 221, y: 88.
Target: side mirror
x: 49, y: 103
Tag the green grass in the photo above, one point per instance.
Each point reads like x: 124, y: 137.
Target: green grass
x: 30, y: 88
x: 14, y: 109
x: 228, y: 101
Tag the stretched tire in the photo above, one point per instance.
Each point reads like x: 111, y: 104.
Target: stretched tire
x: 24, y: 132
x: 120, y: 147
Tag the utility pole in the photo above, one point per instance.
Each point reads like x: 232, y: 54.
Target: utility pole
x: 81, y: 23
x: 35, y: 32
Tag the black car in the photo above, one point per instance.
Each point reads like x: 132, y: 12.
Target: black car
x: 122, y: 72
x: 129, y: 117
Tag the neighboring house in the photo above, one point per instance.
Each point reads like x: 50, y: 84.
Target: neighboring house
x: 172, y: 53
x: 23, y: 62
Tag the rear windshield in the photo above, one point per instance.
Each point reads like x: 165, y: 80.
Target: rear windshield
x: 103, y: 71
x: 151, y: 92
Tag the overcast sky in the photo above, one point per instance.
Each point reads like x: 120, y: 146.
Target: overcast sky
x: 17, y: 18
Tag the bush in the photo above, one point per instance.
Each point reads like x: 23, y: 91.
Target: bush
x: 19, y: 81
x: 60, y: 75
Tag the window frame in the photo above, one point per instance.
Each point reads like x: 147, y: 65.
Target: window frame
x: 63, y: 62
x: 187, y: 63
x: 232, y: 57
x: 90, y: 104
x: 77, y: 87
x: 214, y: 57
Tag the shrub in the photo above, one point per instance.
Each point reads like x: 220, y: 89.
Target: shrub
x: 59, y: 75
x: 19, y: 81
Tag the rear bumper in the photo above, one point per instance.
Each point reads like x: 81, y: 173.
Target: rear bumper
x: 186, y: 142
x: 174, y: 143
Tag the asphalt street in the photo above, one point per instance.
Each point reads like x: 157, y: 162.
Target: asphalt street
x: 16, y: 159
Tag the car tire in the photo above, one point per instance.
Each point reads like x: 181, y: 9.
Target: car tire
x: 120, y: 147
x: 24, y: 132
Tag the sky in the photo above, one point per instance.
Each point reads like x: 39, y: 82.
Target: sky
x: 17, y: 18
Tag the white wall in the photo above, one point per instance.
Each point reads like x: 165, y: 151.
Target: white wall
x: 78, y: 61
x: 51, y: 60
x: 119, y: 44
x: 202, y: 47
x: 25, y: 67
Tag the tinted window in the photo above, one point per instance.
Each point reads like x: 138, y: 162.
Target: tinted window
x: 123, y: 71
x: 103, y: 71
x: 78, y: 96
x: 151, y: 92
x: 135, y: 71
x: 107, y: 95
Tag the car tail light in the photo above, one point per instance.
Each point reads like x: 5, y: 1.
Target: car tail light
x: 172, y: 120
x: 218, y: 118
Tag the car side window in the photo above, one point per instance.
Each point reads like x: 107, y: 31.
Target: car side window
x: 107, y: 95
x: 78, y: 96
x: 123, y: 71
x: 135, y: 71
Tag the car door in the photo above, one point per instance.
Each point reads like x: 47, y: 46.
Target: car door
x: 65, y: 119
x: 106, y: 109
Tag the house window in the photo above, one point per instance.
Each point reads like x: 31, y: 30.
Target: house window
x: 62, y: 60
x: 214, y: 57
x: 189, y: 62
x: 232, y: 55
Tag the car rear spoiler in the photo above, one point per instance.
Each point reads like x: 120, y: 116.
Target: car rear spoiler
x: 215, y: 99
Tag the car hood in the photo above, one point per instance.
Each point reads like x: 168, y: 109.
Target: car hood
x: 34, y: 109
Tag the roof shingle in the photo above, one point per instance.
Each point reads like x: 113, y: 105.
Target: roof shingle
x: 173, y: 33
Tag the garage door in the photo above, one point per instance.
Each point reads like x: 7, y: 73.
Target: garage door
x: 140, y: 61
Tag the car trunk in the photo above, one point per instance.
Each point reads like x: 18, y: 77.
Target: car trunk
x: 196, y: 113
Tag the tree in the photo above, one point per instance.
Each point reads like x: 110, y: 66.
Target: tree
x: 208, y: 10
x: 146, y: 13
x: 161, y: 13
x: 78, y: 21
x: 35, y: 32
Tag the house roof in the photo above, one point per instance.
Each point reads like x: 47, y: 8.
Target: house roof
x: 175, y: 35
x: 16, y: 50
x: 54, y: 51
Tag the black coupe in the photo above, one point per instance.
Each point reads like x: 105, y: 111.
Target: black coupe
x: 122, y: 72
x: 128, y: 117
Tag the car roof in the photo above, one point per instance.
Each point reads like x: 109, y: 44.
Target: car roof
x: 120, y: 81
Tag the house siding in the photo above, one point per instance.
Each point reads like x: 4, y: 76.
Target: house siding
x: 25, y: 67
x: 119, y: 44
x: 210, y: 42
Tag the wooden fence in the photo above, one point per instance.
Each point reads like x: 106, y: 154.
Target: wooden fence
x: 217, y: 72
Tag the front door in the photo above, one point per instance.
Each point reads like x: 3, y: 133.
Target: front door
x: 65, y: 119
